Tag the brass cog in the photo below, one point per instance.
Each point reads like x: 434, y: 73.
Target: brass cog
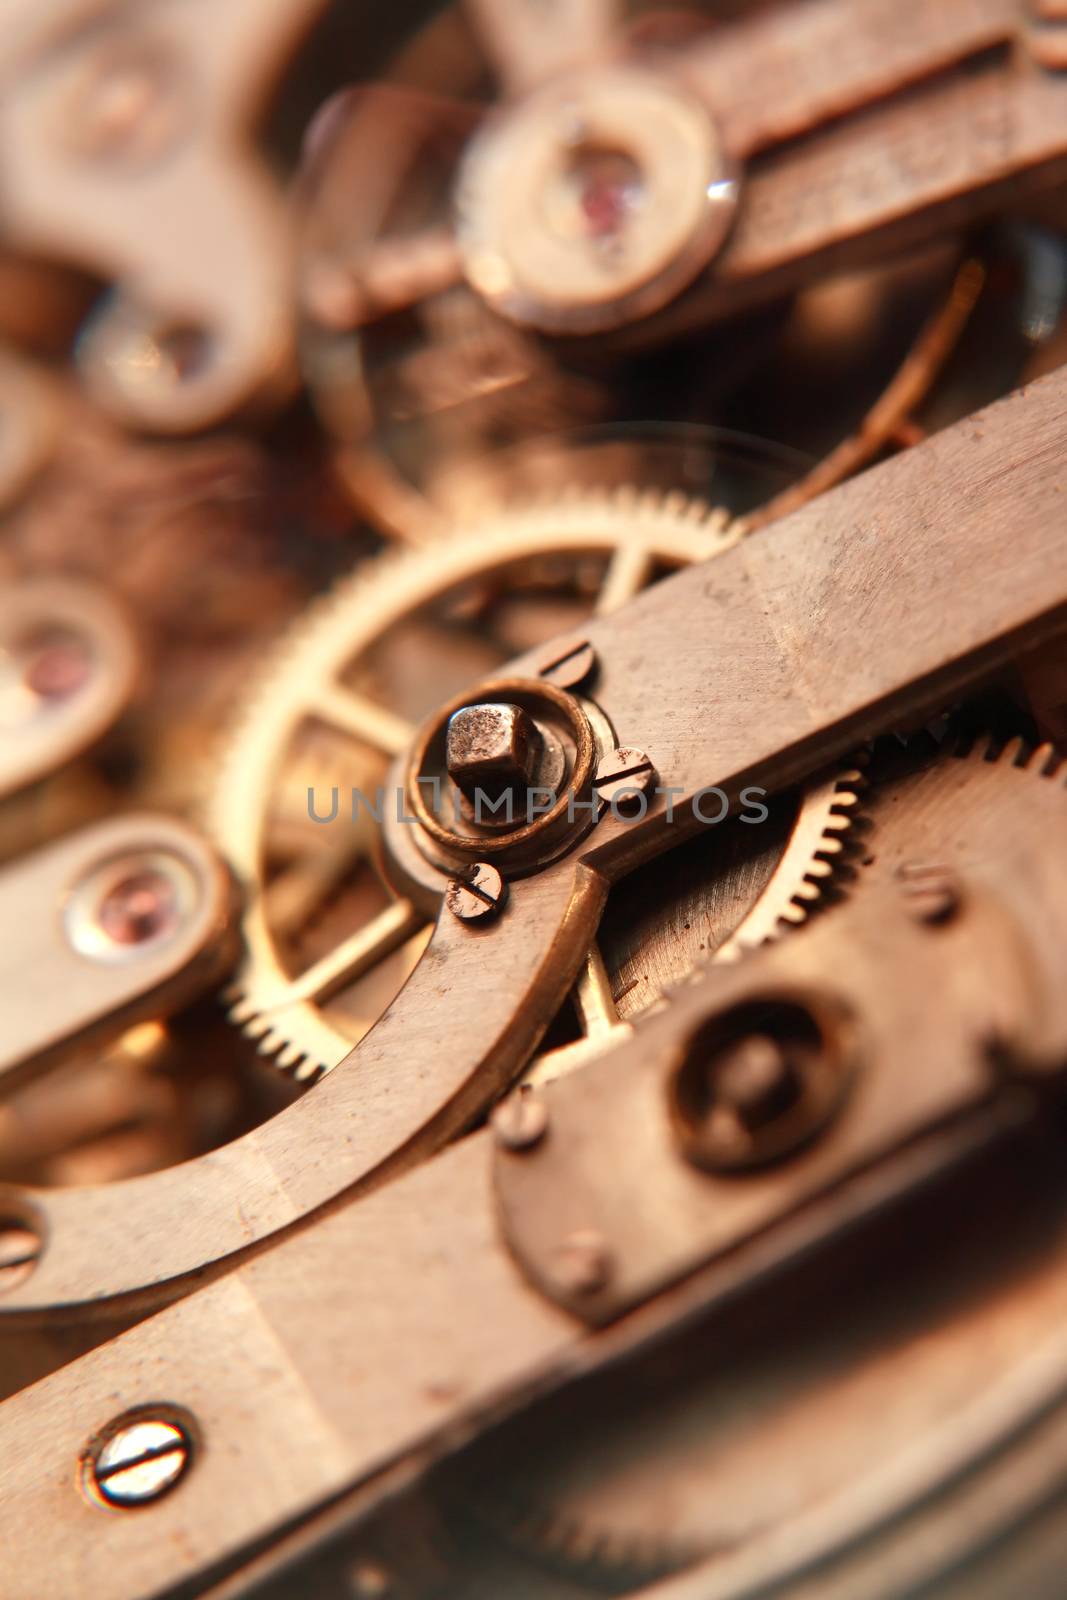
x: 640, y: 1493
x: 351, y: 678
x: 707, y: 900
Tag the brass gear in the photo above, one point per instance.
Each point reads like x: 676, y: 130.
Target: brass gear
x: 333, y: 673
x: 711, y: 899
x: 640, y: 1496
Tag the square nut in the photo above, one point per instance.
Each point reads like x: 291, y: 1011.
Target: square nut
x: 492, y: 747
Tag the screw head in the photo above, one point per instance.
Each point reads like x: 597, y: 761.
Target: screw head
x: 20, y: 1251
x: 582, y: 1264
x: 492, y: 747
x: 623, y: 778
x: 479, y: 896
x: 568, y: 662
x: 521, y: 1121
x: 931, y: 891
x: 138, y: 1461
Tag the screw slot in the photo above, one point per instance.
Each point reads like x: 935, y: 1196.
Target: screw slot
x: 568, y: 663
x: 623, y: 779
x: 479, y: 896
x: 137, y: 1458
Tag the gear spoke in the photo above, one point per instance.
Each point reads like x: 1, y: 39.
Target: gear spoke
x: 527, y: 41
x: 363, y: 718
x: 359, y: 952
x: 301, y: 888
x: 392, y: 506
x: 447, y: 591
x: 392, y: 274
x: 593, y: 998
x: 628, y: 572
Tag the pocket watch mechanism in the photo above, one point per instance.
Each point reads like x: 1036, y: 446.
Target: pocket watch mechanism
x: 328, y: 941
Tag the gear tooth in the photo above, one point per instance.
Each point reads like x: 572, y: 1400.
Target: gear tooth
x: 255, y: 1027
x: 722, y: 528
x: 240, y: 1009
x: 267, y: 1041
x: 1046, y: 759
x: 309, y: 1071
x: 289, y: 1056
x: 679, y: 527
x: 808, y: 865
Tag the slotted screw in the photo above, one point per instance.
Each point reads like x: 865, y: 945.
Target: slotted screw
x: 139, y: 1462
x: 623, y: 777
x: 479, y: 896
x: 568, y: 663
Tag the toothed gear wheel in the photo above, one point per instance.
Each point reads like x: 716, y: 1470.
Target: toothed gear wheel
x: 713, y: 898
x: 356, y: 675
x: 620, y: 1496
